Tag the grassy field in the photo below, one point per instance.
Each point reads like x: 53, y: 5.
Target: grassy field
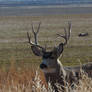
x: 18, y: 64
x: 13, y: 39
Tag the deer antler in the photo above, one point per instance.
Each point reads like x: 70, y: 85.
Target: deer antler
x: 36, y: 32
x: 35, y: 37
x: 67, y: 34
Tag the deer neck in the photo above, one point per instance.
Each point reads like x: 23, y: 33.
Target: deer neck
x: 60, y: 71
x: 60, y: 68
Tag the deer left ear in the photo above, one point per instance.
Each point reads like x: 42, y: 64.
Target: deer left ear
x: 58, y: 50
x: 37, y: 51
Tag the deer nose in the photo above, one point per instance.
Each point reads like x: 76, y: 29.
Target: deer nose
x: 42, y: 66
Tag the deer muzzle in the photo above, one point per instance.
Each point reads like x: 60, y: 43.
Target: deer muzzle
x: 43, y: 66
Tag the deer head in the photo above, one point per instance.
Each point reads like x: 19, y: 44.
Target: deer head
x: 49, y: 58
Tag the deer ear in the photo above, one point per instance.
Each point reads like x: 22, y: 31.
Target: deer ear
x: 58, y: 50
x: 37, y: 51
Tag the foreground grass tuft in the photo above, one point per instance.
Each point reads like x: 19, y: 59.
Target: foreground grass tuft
x: 30, y: 80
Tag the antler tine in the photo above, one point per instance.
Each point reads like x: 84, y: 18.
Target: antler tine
x: 29, y: 37
x: 33, y: 44
x: 67, y: 35
x: 38, y: 27
x: 69, y: 29
x: 35, y: 37
x: 61, y: 36
x: 35, y: 32
x: 33, y: 28
x: 66, y: 38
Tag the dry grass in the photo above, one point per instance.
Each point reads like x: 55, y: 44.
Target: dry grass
x: 85, y: 85
x: 20, y: 79
x: 23, y: 79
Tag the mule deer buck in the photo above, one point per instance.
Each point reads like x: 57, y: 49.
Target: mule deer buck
x: 53, y: 69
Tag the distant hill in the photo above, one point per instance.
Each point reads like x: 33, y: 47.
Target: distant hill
x: 42, y: 2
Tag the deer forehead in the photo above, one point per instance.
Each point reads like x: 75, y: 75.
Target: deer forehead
x: 47, y: 55
x: 49, y: 59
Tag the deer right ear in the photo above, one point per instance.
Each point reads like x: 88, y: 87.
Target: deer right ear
x: 37, y: 51
x: 58, y: 50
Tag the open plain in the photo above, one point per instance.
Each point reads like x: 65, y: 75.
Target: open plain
x: 15, y: 50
